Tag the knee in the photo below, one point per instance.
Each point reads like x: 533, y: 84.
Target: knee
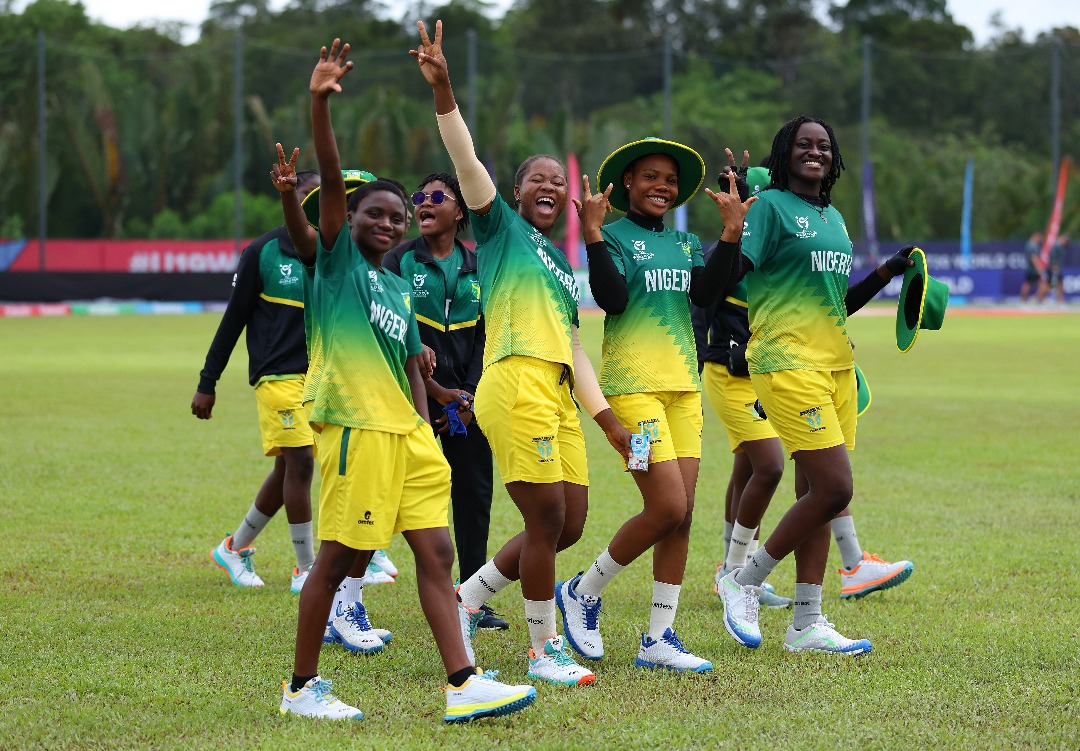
x: 436, y: 557
x: 300, y: 463
x: 571, y: 533
x: 838, y: 496
x: 769, y: 475
x: 668, y: 517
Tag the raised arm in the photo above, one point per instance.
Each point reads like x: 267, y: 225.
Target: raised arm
x: 283, y: 176
x: 476, y: 184
x: 325, y: 80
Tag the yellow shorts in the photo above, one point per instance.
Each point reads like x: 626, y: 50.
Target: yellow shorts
x: 809, y: 409
x: 732, y: 400
x: 672, y: 419
x: 282, y: 417
x: 525, y: 409
x: 375, y: 484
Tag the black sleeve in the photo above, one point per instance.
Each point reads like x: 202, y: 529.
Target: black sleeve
x: 699, y: 318
x: 247, y: 284
x: 863, y: 292
x: 476, y: 363
x: 607, y: 284
x: 392, y: 260
x: 709, y: 282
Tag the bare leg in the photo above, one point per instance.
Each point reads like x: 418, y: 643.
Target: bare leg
x: 331, y: 564
x: 434, y: 552
x: 669, y: 553
x: 665, y: 509
x: 766, y: 459
x: 270, y: 497
x: 508, y: 559
x: 296, y: 483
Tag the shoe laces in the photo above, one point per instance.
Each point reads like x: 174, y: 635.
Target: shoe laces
x: 560, y: 657
x: 670, y: 637
x: 321, y: 689
x: 358, y: 614
x: 487, y: 675
x: 489, y: 611
x: 245, y: 559
x: 592, y: 613
x: 875, y: 559
x: 752, y: 606
x: 474, y: 620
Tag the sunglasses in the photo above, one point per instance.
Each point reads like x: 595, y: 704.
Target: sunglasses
x: 436, y: 196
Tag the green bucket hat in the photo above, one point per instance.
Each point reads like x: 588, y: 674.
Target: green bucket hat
x: 354, y: 178
x: 691, y: 169
x: 863, y: 391
x: 922, y: 304
x: 757, y: 179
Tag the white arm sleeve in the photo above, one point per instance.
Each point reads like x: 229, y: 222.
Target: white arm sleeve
x: 476, y: 184
x: 586, y: 387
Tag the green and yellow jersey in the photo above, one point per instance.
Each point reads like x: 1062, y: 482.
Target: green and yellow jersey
x: 365, y: 331
x: 650, y: 346
x: 528, y: 289
x: 795, y: 293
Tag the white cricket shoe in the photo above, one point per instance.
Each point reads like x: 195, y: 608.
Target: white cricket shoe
x: 238, y: 564
x: 873, y: 574
x: 483, y: 696
x: 668, y: 652
x: 823, y: 637
x: 382, y: 560
x: 299, y: 578
x: 555, y: 666
x: 581, y: 619
x: 767, y: 597
x: 353, y: 630
x: 375, y: 575
x: 741, y: 606
x: 315, y: 700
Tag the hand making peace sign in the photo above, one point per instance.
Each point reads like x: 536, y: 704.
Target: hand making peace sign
x: 430, y: 56
x: 283, y: 174
x: 732, y: 208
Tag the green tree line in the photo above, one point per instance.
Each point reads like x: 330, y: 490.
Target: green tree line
x: 142, y: 130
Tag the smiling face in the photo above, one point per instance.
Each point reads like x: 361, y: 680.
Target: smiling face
x: 654, y: 184
x: 541, y: 195
x: 811, y: 159
x: 377, y: 224
x: 433, y: 219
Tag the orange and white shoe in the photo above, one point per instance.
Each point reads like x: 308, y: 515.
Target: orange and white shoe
x: 873, y: 574
x: 238, y: 564
x: 555, y: 666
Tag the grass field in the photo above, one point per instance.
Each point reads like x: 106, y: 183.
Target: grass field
x: 118, y: 632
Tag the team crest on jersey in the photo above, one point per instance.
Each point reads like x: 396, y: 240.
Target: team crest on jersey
x: 686, y: 247
x: 475, y: 286
x: 640, y: 254
x: 407, y: 300
x: 418, y: 280
x: 373, y: 278
x: 286, y: 274
x: 804, y: 228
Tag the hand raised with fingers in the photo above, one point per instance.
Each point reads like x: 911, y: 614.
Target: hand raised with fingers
x: 283, y: 174
x: 430, y: 55
x: 332, y: 66
x: 740, y: 174
x: 732, y: 209
x: 592, y: 208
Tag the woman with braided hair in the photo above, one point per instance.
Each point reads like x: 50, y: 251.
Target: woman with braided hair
x: 796, y: 257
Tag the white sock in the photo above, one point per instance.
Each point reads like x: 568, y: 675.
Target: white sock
x: 598, y: 575
x: 303, y: 546
x: 752, y: 547
x: 728, y: 526
x: 843, y: 529
x: 665, y: 601
x: 254, y: 522
x: 540, y: 615
x: 807, y: 605
x: 741, y: 537
x: 482, y: 586
x: 349, y: 591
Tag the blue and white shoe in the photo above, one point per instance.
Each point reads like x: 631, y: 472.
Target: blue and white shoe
x: 741, y: 605
x: 668, y: 652
x: 581, y: 619
x: 354, y: 632
x: 823, y: 637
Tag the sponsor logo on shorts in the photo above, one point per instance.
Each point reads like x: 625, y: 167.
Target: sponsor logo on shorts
x: 813, y: 418
x: 543, y: 447
x: 366, y: 520
x: 651, y: 428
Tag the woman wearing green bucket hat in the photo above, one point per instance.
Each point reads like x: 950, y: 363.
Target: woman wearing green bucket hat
x: 644, y: 275
x: 796, y: 256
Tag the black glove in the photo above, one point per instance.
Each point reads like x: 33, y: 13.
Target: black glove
x: 899, y: 263
x: 740, y: 183
x: 760, y: 410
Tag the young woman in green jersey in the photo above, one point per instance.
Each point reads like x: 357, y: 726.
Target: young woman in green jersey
x: 644, y: 275
x: 531, y: 363
x: 382, y: 471
x: 796, y: 257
